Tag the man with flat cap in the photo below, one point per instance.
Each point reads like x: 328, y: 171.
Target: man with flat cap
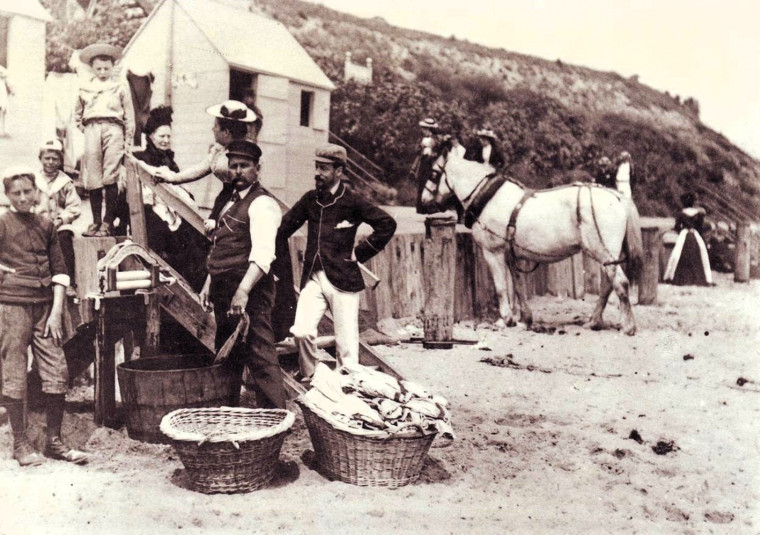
x: 331, y: 276
x: 239, y: 280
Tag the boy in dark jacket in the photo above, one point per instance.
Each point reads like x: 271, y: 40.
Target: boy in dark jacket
x: 33, y: 281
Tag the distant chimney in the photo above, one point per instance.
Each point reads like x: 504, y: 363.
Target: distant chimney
x: 356, y: 72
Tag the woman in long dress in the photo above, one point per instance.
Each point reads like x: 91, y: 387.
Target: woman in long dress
x: 689, y: 263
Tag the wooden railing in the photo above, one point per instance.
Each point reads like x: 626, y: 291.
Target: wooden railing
x: 361, y: 170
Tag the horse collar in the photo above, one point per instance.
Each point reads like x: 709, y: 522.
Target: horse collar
x: 481, y: 196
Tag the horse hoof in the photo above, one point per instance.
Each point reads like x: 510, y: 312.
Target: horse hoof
x: 630, y: 331
x: 511, y: 322
x: 500, y: 324
x: 593, y: 325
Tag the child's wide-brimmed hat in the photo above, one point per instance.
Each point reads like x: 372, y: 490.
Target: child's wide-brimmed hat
x: 99, y: 49
x: 234, y: 110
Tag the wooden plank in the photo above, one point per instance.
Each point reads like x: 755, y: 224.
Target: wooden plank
x: 463, y: 281
x: 579, y: 289
x: 172, y: 200
x: 384, y: 305
x: 560, y: 278
x: 137, y: 224
x: 87, y: 252
x: 182, y: 304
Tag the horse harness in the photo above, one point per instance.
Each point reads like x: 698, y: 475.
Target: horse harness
x: 484, y: 192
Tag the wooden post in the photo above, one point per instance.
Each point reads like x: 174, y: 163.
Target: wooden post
x: 742, y: 262
x: 650, y: 270
x: 754, y: 255
x: 138, y: 229
x: 439, y: 271
x: 105, y: 381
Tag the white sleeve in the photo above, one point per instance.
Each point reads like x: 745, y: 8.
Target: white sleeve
x: 265, y: 217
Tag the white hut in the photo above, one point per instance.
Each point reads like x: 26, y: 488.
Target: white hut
x: 202, y: 52
x: 22, y: 74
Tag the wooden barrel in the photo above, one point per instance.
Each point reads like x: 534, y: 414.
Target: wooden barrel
x: 153, y: 387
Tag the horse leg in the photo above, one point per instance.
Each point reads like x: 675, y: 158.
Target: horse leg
x: 621, y: 284
x: 605, y: 289
x: 498, y: 266
x: 526, y: 314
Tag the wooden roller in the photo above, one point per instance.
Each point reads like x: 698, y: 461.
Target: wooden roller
x: 133, y: 284
x: 132, y: 275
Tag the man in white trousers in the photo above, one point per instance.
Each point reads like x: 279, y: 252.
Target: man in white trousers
x: 331, y: 275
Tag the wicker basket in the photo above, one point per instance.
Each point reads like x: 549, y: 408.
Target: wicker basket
x: 228, y: 449
x: 368, y: 461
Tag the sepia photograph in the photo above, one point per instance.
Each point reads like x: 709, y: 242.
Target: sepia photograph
x: 343, y: 266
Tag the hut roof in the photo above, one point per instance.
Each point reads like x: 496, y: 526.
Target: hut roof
x: 26, y: 8
x: 249, y: 41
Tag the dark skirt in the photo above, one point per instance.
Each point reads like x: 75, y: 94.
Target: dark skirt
x: 690, y: 267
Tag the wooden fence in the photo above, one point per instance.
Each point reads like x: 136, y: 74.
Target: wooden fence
x: 400, y: 293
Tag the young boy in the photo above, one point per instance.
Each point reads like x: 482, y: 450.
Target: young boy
x: 33, y: 281
x: 104, y: 113
x: 58, y: 201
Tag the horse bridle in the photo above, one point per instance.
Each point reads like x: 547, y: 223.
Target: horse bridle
x: 440, y: 171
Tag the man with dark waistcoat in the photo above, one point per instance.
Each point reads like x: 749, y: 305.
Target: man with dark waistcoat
x: 331, y: 276
x: 242, y: 251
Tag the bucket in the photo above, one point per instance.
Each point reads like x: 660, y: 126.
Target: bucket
x: 153, y: 387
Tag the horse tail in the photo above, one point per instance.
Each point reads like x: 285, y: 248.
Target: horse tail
x: 633, y: 245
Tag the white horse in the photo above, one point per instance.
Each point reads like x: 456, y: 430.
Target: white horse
x: 543, y: 227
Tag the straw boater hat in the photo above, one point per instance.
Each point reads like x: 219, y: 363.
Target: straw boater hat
x: 99, y: 49
x: 430, y: 123
x: 331, y: 153
x: 486, y: 132
x: 233, y: 110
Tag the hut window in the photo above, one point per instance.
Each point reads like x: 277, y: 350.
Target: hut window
x: 307, y: 98
x: 243, y: 86
x: 4, y: 41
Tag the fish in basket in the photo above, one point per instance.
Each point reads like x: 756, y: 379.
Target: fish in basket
x: 228, y: 449
x: 370, y: 429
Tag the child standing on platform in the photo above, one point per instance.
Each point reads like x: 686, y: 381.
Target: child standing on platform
x: 58, y: 201
x: 33, y: 281
x: 105, y: 114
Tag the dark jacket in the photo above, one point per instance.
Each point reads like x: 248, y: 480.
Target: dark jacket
x: 156, y: 157
x: 28, y: 244
x: 474, y: 152
x: 331, y: 234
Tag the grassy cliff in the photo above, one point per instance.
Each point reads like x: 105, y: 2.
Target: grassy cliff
x: 553, y: 119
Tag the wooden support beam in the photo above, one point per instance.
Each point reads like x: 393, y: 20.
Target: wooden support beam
x: 172, y: 199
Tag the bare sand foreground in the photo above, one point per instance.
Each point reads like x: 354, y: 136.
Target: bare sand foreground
x: 543, y: 442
